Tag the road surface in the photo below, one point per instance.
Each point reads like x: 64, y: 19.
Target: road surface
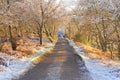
x: 61, y: 64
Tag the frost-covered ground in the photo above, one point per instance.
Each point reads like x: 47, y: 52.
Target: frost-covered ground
x: 104, y: 69
x: 16, y: 67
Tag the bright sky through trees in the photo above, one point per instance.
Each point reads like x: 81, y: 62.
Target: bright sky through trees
x: 68, y: 4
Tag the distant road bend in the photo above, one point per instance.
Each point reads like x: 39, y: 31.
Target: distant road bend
x: 61, y: 64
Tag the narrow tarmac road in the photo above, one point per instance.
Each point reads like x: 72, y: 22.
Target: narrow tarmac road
x: 61, y: 64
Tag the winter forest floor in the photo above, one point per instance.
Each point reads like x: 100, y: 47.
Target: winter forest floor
x: 97, y: 66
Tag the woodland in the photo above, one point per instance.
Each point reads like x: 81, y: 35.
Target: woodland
x: 92, y: 22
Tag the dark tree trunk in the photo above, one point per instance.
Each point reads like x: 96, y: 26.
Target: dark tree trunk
x: 13, y: 43
x: 40, y: 34
x: 41, y: 25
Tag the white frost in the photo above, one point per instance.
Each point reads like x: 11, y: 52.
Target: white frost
x: 17, y: 68
x: 99, y: 70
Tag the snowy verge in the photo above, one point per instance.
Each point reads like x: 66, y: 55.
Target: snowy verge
x: 19, y: 67
x: 99, y: 69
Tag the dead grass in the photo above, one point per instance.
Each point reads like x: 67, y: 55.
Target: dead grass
x: 95, y: 53
x: 41, y: 58
x: 25, y: 46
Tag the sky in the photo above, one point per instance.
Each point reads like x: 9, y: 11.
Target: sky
x: 68, y: 4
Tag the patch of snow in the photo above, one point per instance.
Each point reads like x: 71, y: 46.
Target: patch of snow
x: 99, y: 69
x: 71, y: 43
x: 17, y: 68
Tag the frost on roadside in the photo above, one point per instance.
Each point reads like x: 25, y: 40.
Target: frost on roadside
x: 99, y: 69
x: 18, y: 67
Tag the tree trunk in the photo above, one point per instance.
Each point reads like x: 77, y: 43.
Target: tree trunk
x: 118, y: 38
x: 13, y: 44
x: 69, y: 29
x: 119, y: 48
x: 40, y: 34
x: 47, y: 34
x: 101, y: 39
x: 41, y: 25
